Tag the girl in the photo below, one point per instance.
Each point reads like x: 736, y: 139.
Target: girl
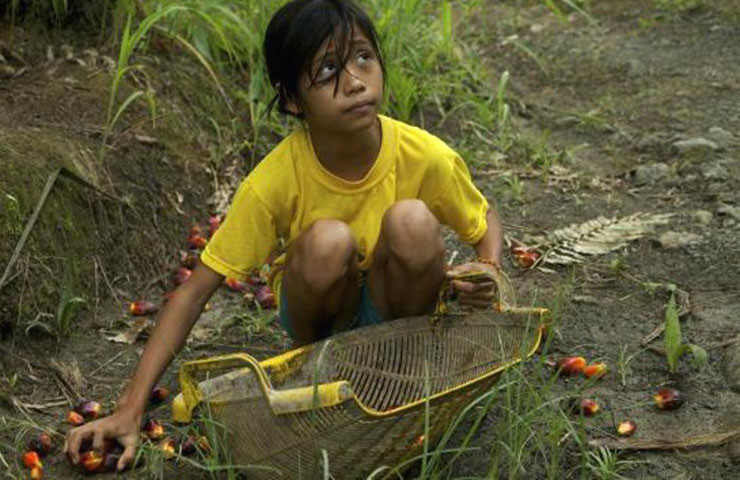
x: 359, y: 197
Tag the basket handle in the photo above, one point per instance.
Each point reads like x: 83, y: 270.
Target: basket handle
x: 280, y: 401
x: 506, y: 297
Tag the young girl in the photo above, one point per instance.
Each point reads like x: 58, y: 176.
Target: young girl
x: 359, y: 197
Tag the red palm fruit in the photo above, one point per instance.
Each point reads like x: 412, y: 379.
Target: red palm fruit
x: 526, y: 259
x: 153, y: 429
x: 110, y: 462
x: 195, y: 229
x: 168, y: 447
x: 75, y: 418
x: 112, y: 446
x: 158, y: 394
x: 586, y: 407
x: 188, y: 259
x: 41, y: 444
x: 187, y: 445
x: 213, y: 223
x: 91, y: 461
x: 197, y: 241
x: 37, y: 473
x: 181, y: 275
x: 90, y: 409
x: 668, y: 398
x: 203, y: 444
x: 626, y: 428
x: 141, y: 307
x: 265, y: 297
x: 236, y: 285
x: 595, y: 370
x: 31, y: 459
x: 571, y: 365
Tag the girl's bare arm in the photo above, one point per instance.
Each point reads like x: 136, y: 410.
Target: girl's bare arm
x: 173, y: 325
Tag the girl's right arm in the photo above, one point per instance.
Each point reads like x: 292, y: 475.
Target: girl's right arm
x: 171, y: 329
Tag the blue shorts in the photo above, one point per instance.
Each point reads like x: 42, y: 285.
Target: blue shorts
x: 367, y: 313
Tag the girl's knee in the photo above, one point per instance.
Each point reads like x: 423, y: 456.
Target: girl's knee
x: 413, y: 233
x: 323, y: 253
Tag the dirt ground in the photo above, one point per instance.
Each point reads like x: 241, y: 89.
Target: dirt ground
x: 645, y: 106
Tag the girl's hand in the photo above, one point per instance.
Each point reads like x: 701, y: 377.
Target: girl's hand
x: 121, y: 426
x: 478, y: 291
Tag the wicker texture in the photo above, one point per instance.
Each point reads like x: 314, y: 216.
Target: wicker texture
x: 391, y: 369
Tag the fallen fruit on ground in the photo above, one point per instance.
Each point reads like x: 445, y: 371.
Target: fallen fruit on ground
x: 626, y: 428
x: 525, y: 257
x: 203, y: 444
x: 668, y: 398
x: 595, y: 370
x: 91, y: 461
x: 158, y: 394
x: 195, y: 229
x: 110, y: 462
x: 213, y: 223
x: 141, y: 307
x: 236, y: 285
x: 187, y: 445
x: 571, y: 365
x: 89, y: 409
x: 31, y: 459
x: 265, y: 297
x: 153, y: 429
x: 586, y: 407
x: 188, y: 259
x: 41, y: 444
x: 181, y: 275
x: 168, y: 448
x: 74, y: 418
x: 197, y: 241
x: 37, y: 473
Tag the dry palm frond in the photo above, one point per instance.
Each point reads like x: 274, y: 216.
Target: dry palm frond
x: 574, y: 244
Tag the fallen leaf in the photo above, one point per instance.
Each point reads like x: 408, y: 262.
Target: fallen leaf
x: 132, y: 334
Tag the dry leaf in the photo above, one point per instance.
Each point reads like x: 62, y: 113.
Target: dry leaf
x: 574, y: 244
x: 132, y: 334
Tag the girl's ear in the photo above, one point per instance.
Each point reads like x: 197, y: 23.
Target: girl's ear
x: 292, y: 106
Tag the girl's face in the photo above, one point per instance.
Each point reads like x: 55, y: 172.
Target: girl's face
x: 349, y: 104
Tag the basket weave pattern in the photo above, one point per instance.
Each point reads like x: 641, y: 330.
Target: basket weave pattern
x: 393, y: 372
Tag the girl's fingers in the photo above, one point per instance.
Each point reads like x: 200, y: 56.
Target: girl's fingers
x: 72, y: 443
x: 469, y: 287
x: 126, y: 457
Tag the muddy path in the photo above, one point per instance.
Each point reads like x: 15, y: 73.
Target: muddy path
x: 635, y: 109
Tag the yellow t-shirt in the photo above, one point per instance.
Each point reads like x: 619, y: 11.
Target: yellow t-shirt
x: 290, y: 189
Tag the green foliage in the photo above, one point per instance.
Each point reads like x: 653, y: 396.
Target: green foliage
x: 605, y: 464
x: 674, y: 347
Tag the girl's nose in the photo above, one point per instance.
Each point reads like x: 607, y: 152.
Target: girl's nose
x: 352, y: 83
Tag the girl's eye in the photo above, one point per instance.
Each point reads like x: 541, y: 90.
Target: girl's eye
x: 364, y: 56
x: 326, y: 71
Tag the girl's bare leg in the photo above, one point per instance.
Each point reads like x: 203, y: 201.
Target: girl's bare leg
x: 321, y: 280
x: 409, y: 261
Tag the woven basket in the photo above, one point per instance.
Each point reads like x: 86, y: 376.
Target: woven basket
x: 357, y: 400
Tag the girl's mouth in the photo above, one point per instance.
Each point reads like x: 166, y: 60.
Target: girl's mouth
x: 361, y: 108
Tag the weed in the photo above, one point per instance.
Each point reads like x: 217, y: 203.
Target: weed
x: 605, y: 464
x: 515, y: 186
x: 674, y: 347
x: 623, y: 363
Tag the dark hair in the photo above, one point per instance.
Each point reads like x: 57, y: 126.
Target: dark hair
x: 296, y: 32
